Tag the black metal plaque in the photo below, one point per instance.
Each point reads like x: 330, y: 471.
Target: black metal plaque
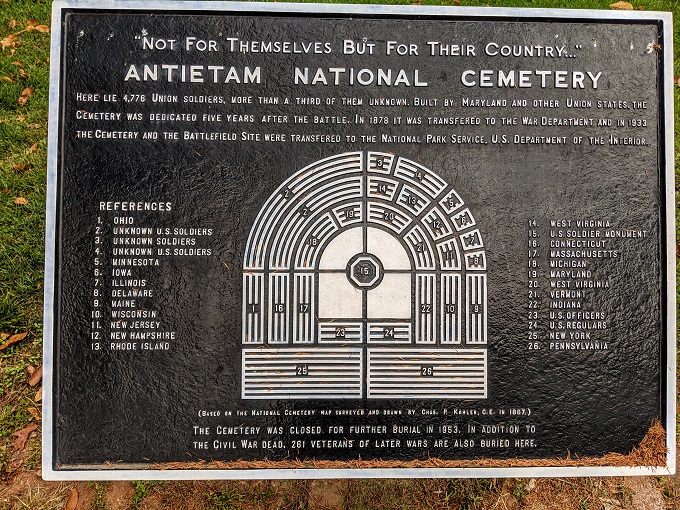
x: 308, y: 241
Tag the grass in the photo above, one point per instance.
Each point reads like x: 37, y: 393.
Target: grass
x: 23, y: 148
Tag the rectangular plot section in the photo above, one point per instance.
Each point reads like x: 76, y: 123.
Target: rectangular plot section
x: 420, y: 247
x: 387, y: 216
x: 422, y: 373
x: 475, y: 261
x: 411, y: 199
x: 437, y: 224
x: 253, y: 313
x: 463, y: 220
x: 432, y: 184
x: 472, y: 240
x: 451, y: 202
x: 349, y: 214
x: 335, y: 332
x: 303, y: 311
x: 449, y: 255
x: 389, y: 332
x: 450, y: 309
x: 381, y: 187
x: 380, y: 162
x: 279, y: 310
x: 302, y: 373
x: 426, y: 304
x: 475, y: 309
x: 308, y: 250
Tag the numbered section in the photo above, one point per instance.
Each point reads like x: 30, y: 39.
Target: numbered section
x: 418, y: 374
x: 302, y: 373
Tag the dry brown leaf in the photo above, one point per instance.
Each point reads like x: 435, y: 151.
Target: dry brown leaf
x: 5, y: 191
x: 622, y: 6
x: 21, y: 118
x: 7, y: 79
x: 8, y: 42
x: 4, y: 335
x: 35, y: 125
x: 22, y: 436
x: 13, y: 339
x: 21, y: 168
x: 31, y: 23
x: 25, y: 94
x: 42, y: 29
x: 20, y: 201
x: 12, y: 23
x: 11, y: 52
x: 18, y: 63
x: 35, y: 413
x: 33, y: 147
x: 72, y: 500
x: 35, y: 377
x: 38, y: 395
x: 23, y: 73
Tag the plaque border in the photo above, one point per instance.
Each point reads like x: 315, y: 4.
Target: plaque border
x: 137, y: 472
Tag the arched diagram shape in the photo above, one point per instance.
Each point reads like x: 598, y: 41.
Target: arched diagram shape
x: 364, y: 275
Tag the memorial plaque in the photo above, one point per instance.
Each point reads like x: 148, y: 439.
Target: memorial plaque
x: 329, y: 241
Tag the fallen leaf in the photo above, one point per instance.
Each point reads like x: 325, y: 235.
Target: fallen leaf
x: 457, y: 2
x: 11, y: 52
x: 4, y: 335
x: 33, y: 147
x: 42, y: 28
x: 38, y: 395
x: 22, y: 436
x: 20, y: 201
x: 31, y: 23
x: 72, y: 500
x: 21, y: 168
x: 7, y: 79
x: 35, y: 377
x: 23, y: 73
x: 34, y: 126
x: 35, y: 413
x: 18, y: 63
x: 25, y: 94
x: 21, y: 118
x: 5, y: 191
x: 13, y: 339
x: 8, y: 42
x: 622, y: 6
x: 12, y: 23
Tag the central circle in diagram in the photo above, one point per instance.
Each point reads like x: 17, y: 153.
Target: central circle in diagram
x: 365, y: 271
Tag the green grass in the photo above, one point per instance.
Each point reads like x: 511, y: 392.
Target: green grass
x: 21, y: 274
x: 22, y: 227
